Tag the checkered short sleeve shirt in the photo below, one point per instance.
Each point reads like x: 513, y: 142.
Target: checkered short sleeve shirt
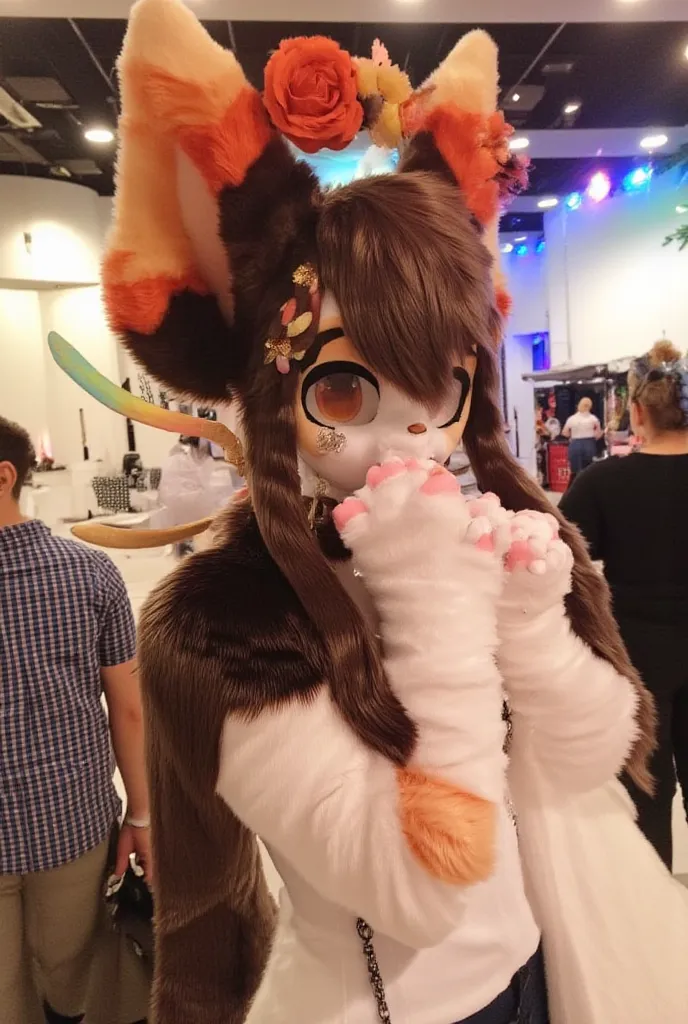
x: 64, y: 614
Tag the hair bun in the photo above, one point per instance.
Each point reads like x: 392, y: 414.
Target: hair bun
x: 664, y: 351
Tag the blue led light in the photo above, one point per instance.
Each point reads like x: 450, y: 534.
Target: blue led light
x: 637, y: 179
x: 574, y: 201
x: 521, y: 250
x: 540, y: 247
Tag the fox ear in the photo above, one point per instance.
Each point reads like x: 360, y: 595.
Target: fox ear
x: 209, y: 201
x: 462, y: 136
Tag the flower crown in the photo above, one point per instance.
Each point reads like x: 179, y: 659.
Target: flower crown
x: 319, y: 96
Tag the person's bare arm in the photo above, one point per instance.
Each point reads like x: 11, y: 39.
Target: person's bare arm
x: 123, y: 698
x: 116, y: 653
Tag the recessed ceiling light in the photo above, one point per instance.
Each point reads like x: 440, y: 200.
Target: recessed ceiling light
x: 516, y: 97
x: 99, y: 135
x: 573, y: 107
x: 519, y: 142
x: 654, y: 141
x: 548, y: 203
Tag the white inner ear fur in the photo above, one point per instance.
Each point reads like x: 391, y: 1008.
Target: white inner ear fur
x: 201, y: 218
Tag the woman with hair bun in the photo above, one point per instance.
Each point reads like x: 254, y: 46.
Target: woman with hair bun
x: 633, y: 513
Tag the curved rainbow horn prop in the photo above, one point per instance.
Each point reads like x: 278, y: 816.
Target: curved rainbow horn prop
x: 126, y: 404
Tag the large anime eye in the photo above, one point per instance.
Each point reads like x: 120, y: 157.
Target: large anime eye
x: 455, y: 402
x: 340, y: 394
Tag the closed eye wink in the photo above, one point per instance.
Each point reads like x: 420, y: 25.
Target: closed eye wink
x: 457, y: 397
x: 340, y: 393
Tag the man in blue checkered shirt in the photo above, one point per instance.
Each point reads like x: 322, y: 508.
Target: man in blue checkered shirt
x: 67, y: 637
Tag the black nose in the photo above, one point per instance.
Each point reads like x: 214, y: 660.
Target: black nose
x: 417, y: 428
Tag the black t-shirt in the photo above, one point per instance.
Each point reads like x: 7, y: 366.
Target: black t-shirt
x: 633, y: 512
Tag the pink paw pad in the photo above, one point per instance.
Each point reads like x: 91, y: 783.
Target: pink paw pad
x: 378, y: 474
x: 441, y: 482
x: 348, y: 510
x: 486, y: 543
x: 519, y: 554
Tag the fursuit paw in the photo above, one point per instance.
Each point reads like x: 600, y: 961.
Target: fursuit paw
x: 411, y: 521
x: 538, y: 565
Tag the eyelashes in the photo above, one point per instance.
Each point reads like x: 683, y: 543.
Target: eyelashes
x: 340, y: 393
x: 345, y: 393
x: 459, y: 397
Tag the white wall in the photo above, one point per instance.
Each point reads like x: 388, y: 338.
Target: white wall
x: 22, y: 362
x: 51, y: 283
x: 65, y: 226
x: 612, y: 287
x: 527, y: 282
x: 77, y: 314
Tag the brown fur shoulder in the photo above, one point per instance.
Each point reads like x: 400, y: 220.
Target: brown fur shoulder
x: 223, y: 633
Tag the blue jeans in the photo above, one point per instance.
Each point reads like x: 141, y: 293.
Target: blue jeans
x: 524, y: 1002
x: 581, y: 453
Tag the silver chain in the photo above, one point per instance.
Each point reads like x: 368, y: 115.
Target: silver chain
x: 366, y: 935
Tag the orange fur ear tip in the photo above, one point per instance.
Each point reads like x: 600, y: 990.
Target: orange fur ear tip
x: 184, y: 85
x: 141, y: 305
x: 451, y: 833
x: 504, y: 302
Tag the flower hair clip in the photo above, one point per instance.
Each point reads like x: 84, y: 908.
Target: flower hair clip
x: 297, y: 323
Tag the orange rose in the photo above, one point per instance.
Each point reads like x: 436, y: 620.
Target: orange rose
x: 311, y: 93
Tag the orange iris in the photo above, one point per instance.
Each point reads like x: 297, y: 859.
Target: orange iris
x: 339, y: 397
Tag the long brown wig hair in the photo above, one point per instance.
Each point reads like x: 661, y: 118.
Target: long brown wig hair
x: 412, y: 279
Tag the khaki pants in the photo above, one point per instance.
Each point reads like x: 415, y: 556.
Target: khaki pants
x: 48, y: 923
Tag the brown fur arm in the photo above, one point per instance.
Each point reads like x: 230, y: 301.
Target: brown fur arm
x: 222, y: 632
x: 214, y: 914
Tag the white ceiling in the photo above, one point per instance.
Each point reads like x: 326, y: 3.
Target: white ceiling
x: 449, y: 11
x: 603, y: 142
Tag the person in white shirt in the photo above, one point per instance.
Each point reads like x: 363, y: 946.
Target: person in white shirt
x: 584, y: 430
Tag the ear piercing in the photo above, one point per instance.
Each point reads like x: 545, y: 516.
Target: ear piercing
x: 330, y: 442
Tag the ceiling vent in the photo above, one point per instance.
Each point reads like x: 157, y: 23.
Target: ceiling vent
x: 523, y: 99
x: 14, y: 151
x: 558, y: 67
x: 39, y: 90
x: 82, y: 168
x: 15, y: 113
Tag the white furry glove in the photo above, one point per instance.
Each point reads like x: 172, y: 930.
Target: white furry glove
x: 435, y: 573
x: 571, y: 710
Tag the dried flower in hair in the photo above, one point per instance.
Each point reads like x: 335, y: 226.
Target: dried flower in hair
x: 294, y: 327
x: 306, y: 275
x: 380, y: 55
x: 311, y: 93
x: 383, y: 88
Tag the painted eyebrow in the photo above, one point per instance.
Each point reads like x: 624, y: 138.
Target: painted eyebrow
x: 321, y: 339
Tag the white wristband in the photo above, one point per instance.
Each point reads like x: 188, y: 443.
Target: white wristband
x: 137, y: 822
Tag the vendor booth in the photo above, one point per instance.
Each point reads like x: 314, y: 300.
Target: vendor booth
x: 557, y: 393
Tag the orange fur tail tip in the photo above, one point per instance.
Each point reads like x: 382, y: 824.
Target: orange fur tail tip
x: 187, y: 86
x: 141, y: 305
x: 451, y: 833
